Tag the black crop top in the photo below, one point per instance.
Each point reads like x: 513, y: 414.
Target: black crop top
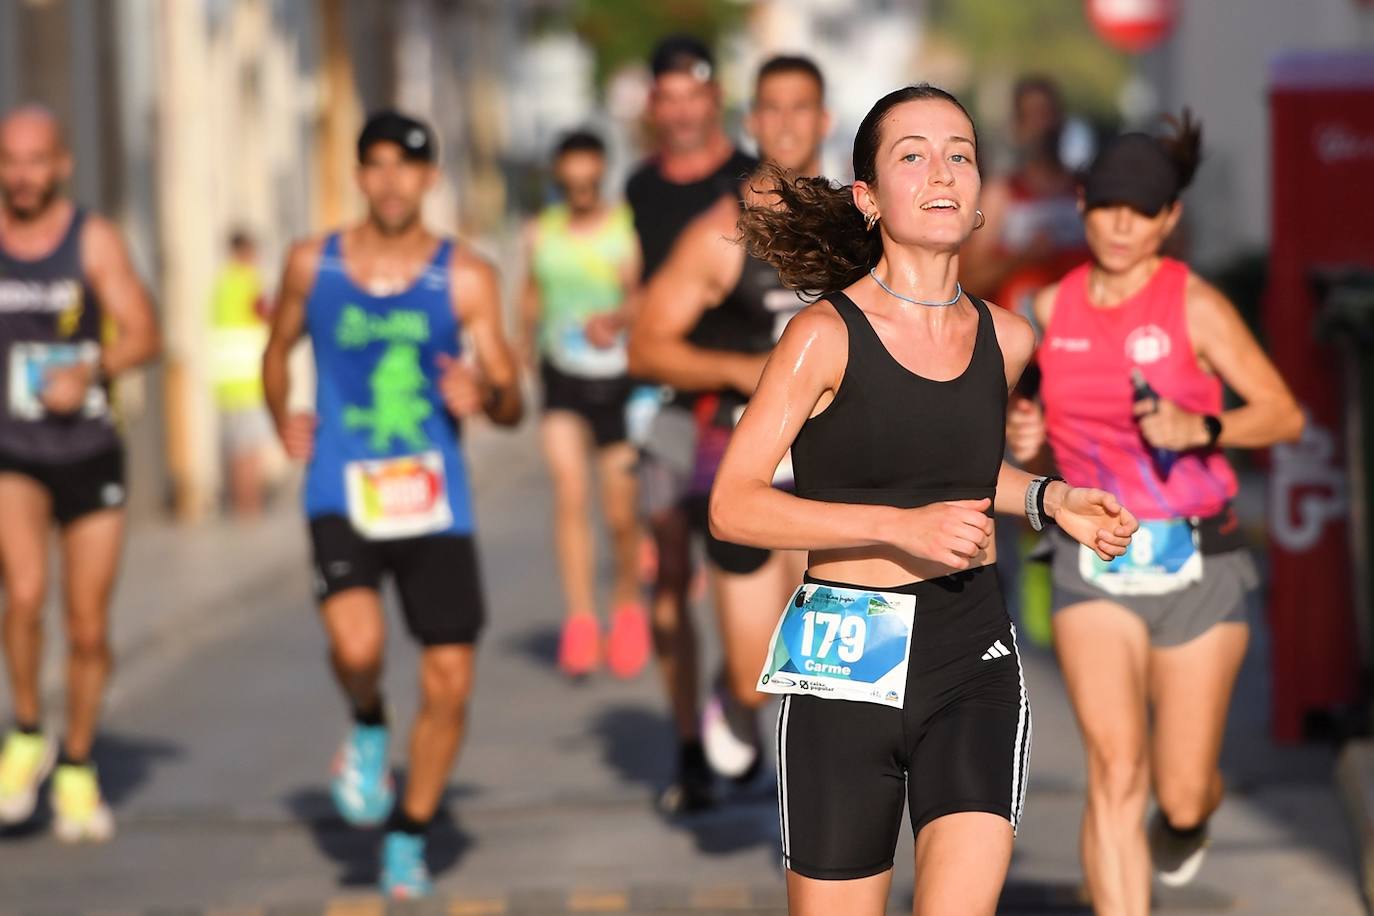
x: 894, y: 438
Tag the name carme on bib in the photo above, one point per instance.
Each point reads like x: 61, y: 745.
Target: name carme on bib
x: 842, y: 643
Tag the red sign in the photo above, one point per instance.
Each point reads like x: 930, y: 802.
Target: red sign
x: 1133, y: 25
x: 1322, y: 186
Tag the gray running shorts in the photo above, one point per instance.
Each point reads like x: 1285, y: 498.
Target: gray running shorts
x: 665, y: 461
x: 1174, y: 619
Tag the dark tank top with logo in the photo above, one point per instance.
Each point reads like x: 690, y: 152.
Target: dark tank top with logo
x: 748, y: 320
x: 49, y: 317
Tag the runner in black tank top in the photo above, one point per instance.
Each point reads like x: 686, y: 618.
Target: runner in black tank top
x: 895, y: 658
x: 64, y: 275
x: 693, y: 165
x: 709, y: 319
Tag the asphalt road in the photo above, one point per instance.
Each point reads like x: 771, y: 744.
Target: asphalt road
x: 220, y: 732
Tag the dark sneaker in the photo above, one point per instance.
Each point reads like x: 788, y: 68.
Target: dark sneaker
x: 1177, y: 855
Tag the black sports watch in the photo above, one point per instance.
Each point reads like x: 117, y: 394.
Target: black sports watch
x: 1213, y: 424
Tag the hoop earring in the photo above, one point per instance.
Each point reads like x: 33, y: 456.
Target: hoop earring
x: 982, y: 220
x: 870, y: 220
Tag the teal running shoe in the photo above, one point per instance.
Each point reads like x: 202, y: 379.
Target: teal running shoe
x: 362, y: 787
x: 404, y: 873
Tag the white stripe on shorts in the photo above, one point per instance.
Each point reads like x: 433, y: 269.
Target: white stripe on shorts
x: 1020, y: 764
x: 783, y: 825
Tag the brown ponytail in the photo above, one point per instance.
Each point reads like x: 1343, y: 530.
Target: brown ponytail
x: 1184, y: 145
x: 814, y: 235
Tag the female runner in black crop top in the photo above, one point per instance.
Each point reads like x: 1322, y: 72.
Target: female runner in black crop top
x: 896, y: 658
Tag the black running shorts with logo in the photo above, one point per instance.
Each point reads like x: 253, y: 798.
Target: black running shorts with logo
x: 961, y: 742
x: 437, y: 577
x: 598, y: 401
x: 76, y: 488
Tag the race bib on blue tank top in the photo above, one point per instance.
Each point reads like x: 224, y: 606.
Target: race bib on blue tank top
x: 398, y: 497
x: 842, y: 644
x: 1163, y: 558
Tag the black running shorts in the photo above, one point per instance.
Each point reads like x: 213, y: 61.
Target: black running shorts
x: 737, y: 559
x: 598, y: 401
x: 961, y: 743
x: 76, y: 488
x: 437, y: 577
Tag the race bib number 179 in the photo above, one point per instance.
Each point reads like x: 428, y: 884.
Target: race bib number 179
x: 842, y: 643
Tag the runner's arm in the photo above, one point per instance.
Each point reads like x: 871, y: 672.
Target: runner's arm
x: 531, y: 307
x: 1269, y: 414
x: 477, y: 301
x: 1026, y: 439
x: 124, y: 299
x: 630, y: 281
x: 698, y: 274
x: 288, y: 323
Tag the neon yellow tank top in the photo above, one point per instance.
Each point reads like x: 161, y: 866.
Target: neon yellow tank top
x: 580, y: 276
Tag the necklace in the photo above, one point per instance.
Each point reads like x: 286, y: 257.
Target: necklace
x: 958, y: 292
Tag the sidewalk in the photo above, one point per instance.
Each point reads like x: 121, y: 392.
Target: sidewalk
x: 181, y: 587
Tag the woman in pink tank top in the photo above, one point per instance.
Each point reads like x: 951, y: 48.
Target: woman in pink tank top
x: 1135, y: 353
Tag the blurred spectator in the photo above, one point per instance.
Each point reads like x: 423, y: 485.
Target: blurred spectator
x: 239, y: 327
x: 1033, y: 233
x: 1032, y: 236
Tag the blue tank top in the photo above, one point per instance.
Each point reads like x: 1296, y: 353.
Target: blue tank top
x: 387, y: 452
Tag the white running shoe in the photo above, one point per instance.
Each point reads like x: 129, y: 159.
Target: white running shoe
x: 1177, y: 858
x: 729, y: 735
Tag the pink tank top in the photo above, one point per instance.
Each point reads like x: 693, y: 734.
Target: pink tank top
x: 1086, y: 359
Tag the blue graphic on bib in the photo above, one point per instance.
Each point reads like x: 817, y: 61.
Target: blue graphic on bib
x: 1163, y: 558
x: 854, y: 638
x: 844, y: 643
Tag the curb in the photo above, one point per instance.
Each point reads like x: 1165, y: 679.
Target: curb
x: 1355, y: 785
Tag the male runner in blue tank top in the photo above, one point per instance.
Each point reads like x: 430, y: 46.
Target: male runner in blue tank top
x: 385, y: 303
x: 73, y: 315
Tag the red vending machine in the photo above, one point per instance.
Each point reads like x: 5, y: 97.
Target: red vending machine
x: 1322, y: 174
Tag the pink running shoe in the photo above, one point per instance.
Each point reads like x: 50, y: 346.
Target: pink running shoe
x: 627, y: 651
x: 579, y: 649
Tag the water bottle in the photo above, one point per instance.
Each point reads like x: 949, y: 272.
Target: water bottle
x: 1164, y: 458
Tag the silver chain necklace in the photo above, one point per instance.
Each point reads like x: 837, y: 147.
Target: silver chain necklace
x: 958, y: 293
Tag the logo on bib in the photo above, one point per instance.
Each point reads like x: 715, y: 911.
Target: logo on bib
x: 398, y: 497
x: 1147, y: 344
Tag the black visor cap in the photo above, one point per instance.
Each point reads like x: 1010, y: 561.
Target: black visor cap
x: 1134, y: 170
x: 412, y: 135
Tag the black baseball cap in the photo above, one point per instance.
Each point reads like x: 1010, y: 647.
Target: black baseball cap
x: 1136, y: 170
x: 682, y: 54
x: 413, y: 136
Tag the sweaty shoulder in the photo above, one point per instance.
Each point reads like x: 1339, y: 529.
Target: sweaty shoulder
x: 475, y: 281
x: 1015, y: 336
x: 1042, y: 306
x: 720, y: 220
x: 1208, y: 310
x: 101, y: 241
x: 816, y: 333
x: 302, y: 261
